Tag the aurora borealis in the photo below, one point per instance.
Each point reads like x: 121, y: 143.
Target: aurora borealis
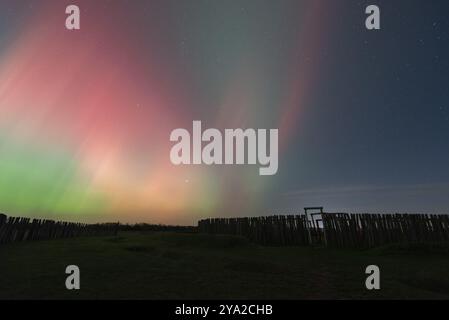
x: 85, y: 115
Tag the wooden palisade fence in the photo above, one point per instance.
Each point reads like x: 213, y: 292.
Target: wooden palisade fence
x: 341, y: 230
x: 15, y: 229
x: 369, y: 230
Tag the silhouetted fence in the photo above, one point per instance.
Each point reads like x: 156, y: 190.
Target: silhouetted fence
x: 15, y: 229
x: 369, y: 230
x: 333, y: 229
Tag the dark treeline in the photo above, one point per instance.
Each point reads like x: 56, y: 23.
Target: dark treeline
x: 156, y: 227
x: 334, y: 229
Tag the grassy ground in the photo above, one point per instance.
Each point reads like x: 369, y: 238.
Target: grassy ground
x: 195, y: 266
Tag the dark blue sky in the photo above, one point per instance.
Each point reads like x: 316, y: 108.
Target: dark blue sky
x: 375, y: 133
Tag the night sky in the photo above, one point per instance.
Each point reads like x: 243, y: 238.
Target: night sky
x: 86, y: 115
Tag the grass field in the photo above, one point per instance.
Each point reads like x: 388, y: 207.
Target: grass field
x: 195, y: 266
